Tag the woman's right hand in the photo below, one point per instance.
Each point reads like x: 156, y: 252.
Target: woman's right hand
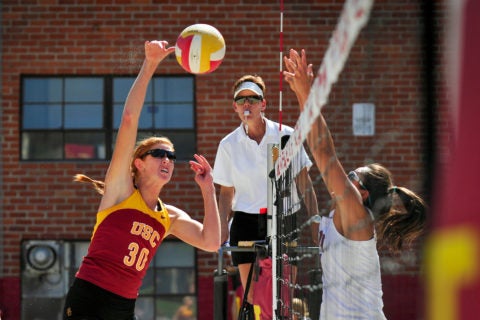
x: 157, y: 50
x: 299, y: 74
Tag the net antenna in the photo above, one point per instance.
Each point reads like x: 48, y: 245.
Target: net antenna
x: 353, y: 18
x: 273, y: 156
x: 280, y: 74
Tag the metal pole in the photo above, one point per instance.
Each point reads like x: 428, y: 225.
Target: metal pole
x: 272, y: 219
x: 220, y: 289
x: 220, y: 281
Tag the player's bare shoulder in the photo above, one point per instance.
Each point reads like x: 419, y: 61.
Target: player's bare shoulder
x: 175, y: 213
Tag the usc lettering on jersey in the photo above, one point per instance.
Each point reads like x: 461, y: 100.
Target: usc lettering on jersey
x: 124, y: 241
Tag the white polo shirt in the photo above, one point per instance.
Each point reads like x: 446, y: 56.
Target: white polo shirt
x: 242, y: 163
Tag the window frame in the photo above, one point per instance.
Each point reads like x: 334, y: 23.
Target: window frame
x: 108, y: 129
x: 155, y: 295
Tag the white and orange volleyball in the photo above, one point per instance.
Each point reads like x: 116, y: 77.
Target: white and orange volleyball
x: 200, y: 48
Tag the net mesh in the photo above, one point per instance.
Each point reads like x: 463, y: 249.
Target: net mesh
x: 298, y: 272
x: 298, y: 289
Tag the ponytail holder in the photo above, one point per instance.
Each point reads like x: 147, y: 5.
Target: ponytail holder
x: 393, y: 189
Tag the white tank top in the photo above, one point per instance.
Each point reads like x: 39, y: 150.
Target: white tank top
x: 352, y: 287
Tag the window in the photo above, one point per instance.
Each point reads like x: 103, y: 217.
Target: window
x: 169, y: 282
x: 75, y: 118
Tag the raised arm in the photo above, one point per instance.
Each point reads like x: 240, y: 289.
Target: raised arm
x: 204, y: 236
x: 118, y: 179
x: 350, y: 214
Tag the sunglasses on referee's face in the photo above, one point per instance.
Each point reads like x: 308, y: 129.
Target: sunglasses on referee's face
x: 250, y: 99
x: 161, y: 153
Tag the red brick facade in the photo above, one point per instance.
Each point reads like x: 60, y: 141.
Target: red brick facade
x: 49, y: 37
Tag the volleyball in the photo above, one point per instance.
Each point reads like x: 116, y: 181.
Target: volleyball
x: 200, y: 48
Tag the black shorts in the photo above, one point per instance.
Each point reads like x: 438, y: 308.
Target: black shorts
x: 86, y: 301
x: 247, y: 227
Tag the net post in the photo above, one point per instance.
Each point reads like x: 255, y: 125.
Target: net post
x: 273, y: 151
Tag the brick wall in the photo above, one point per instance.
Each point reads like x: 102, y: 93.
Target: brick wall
x: 103, y: 37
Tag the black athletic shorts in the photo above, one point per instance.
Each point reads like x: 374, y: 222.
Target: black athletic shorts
x: 86, y: 301
x: 247, y: 227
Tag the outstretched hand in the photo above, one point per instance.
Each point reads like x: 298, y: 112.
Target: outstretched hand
x: 202, y: 169
x: 298, y: 74
x: 157, y: 50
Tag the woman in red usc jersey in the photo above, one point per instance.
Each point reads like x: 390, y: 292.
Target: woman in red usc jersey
x: 132, y: 221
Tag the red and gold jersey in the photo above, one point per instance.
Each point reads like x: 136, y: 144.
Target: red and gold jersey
x: 124, y: 241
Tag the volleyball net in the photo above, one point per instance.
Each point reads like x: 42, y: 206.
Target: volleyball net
x: 296, y: 212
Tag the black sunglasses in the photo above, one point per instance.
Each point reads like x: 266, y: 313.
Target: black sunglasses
x: 353, y: 176
x: 161, y: 153
x: 251, y: 100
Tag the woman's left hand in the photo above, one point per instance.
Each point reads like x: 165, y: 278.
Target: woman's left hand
x: 202, y: 169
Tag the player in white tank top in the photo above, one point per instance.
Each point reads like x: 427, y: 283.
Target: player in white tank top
x: 363, y: 208
x: 351, y: 275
